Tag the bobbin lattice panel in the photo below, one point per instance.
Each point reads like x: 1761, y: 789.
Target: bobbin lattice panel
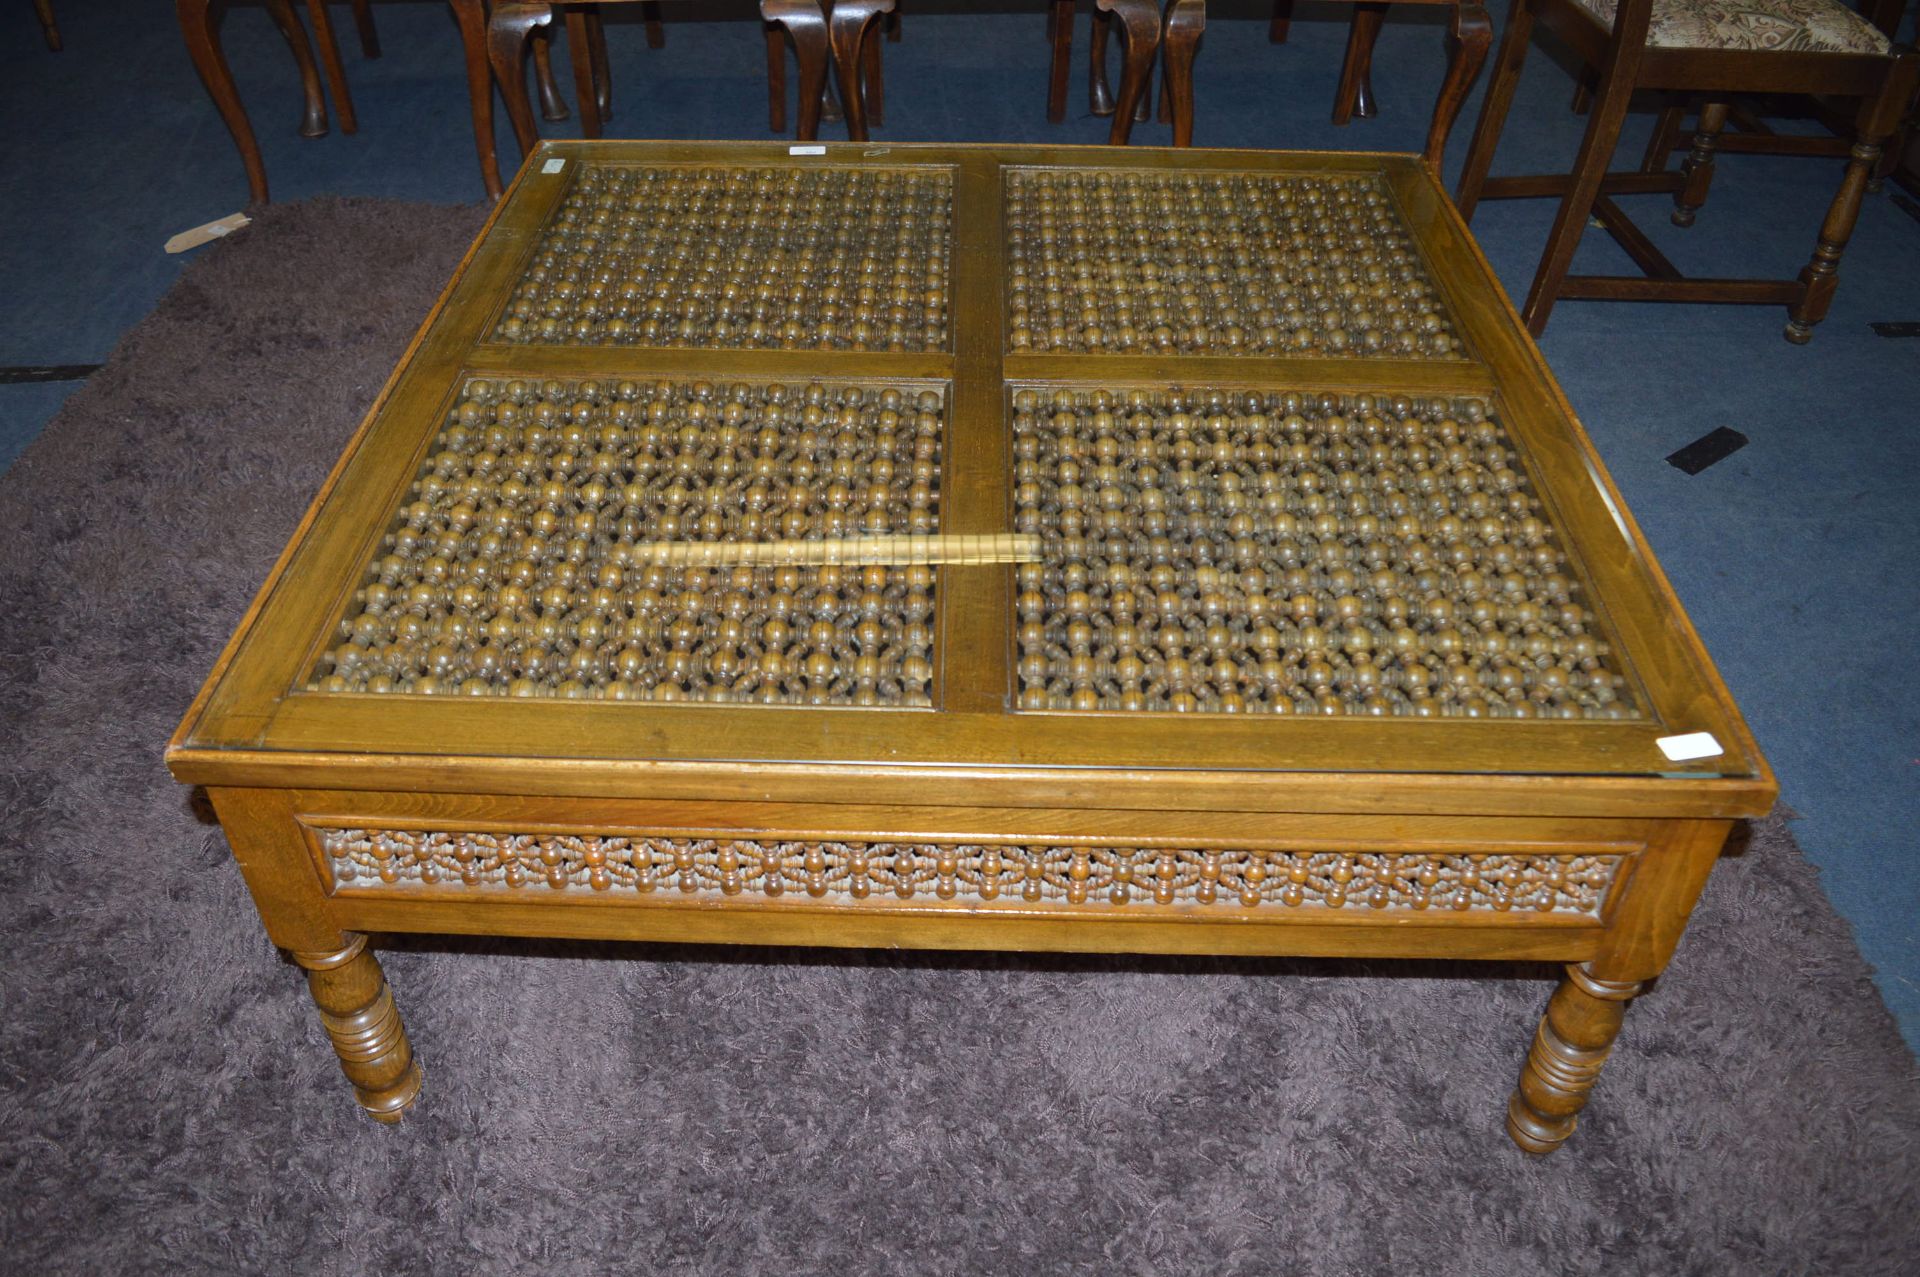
x: 726, y: 257
x: 1290, y: 553
x: 972, y: 873
x: 1132, y: 262
x: 623, y: 539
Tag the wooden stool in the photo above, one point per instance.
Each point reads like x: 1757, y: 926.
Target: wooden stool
x: 1807, y: 46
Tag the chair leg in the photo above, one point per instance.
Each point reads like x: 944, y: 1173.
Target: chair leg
x: 552, y: 105
x: 1570, y: 222
x: 1583, y: 88
x: 1060, y: 70
x: 203, y: 46
x: 872, y: 77
x: 1821, y: 275
x: 1698, y: 166
x: 363, y: 23
x: 847, y: 27
x: 314, y: 122
x: 1666, y: 136
x: 1186, y: 19
x: 776, y: 79
x: 1100, y: 100
x: 472, y: 18
x: 1140, y: 23
x: 48, y: 27
x: 806, y: 25
x: 1281, y: 24
x: 597, y: 60
x: 580, y: 56
x: 1355, y: 94
x: 1493, y: 109
x: 1469, y: 36
x: 330, y: 60
x: 656, y: 34
x: 507, y: 31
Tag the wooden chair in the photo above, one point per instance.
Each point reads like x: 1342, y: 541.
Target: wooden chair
x: 1469, y: 35
x: 1743, y: 130
x: 1763, y: 46
x: 1146, y: 34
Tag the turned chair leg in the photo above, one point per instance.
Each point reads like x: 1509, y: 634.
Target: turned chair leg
x: 1493, y: 109
x: 1139, y: 22
x: 1575, y: 1036
x: 1821, y: 276
x: 602, y: 69
x: 1697, y: 168
x: 357, y: 1008
x: 314, y: 122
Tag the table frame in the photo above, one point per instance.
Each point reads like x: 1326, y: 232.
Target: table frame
x: 284, y: 766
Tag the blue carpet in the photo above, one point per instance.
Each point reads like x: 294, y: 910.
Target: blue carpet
x: 1794, y: 556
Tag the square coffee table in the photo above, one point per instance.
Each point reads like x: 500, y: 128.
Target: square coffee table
x: 968, y: 547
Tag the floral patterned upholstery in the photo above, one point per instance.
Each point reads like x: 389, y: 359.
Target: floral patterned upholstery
x: 1787, y: 26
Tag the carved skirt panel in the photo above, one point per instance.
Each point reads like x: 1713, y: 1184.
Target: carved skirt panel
x: 970, y: 872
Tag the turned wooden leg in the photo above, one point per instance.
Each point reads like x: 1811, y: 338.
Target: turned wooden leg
x: 1879, y: 116
x: 1698, y: 166
x: 1355, y: 94
x: 363, y: 23
x: 330, y: 60
x: 471, y: 17
x: 1186, y: 19
x: 1469, y: 36
x: 847, y: 25
x: 314, y: 122
x: 1575, y: 1036
x: 507, y: 32
x: 806, y: 26
x: 203, y: 46
x: 356, y: 1006
x: 656, y: 34
x: 1060, y: 70
x: 48, y: 27
x: 553, y: 106
x: 1281, y: 24
x: 1139, y: 23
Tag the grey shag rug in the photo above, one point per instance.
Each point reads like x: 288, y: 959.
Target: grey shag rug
x: 168, y: 1102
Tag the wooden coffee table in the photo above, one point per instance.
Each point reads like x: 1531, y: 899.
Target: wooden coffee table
x: 975, y: 548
